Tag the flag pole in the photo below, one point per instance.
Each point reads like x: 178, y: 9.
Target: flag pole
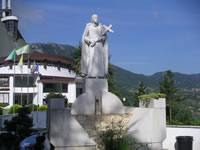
x: 37, y: 95
x: 21, y: 86
x: 14, y: 85
x: 28, y: 79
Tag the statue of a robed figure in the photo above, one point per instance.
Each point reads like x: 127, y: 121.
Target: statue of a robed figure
x: 96, y: 99
x: 94, y: 62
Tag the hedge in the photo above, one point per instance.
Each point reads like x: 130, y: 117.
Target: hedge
x: 1, y: 111
x: 32, y: 107
x: 43, y: 108
x: 16, y: 109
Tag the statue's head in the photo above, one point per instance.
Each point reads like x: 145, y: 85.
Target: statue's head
x: 95, y: 18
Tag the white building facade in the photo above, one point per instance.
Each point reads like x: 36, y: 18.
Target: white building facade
x: 19, y: 86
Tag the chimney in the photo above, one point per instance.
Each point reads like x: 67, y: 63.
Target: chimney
x: 9, y: 4
x: 3, y: 4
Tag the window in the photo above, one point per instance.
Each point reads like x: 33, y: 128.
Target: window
x: 24, y: 99
x: 65, y: 88
x: 4, y: 98
x: 4, y: 82
x: 24, y: 81
x: 12, y: 26
x: 56, y: 87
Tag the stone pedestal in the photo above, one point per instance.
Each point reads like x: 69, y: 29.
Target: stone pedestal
x: 148, y: 123
x: 97, y: 100
x: 65, y: 132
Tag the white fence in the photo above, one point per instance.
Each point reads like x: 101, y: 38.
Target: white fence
x: 174, y: 131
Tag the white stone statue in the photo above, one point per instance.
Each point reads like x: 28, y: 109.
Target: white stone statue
x: 94, y: 62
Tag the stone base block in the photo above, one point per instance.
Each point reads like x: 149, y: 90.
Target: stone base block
x: 97, y: 100
x: 85, y: 104
x: 111, y: 104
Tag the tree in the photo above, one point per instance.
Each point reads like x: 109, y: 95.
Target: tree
x: 141, y: 91
x: 76, y: 55
x: 167, y: 87
x: 18, y: 128
x: 182, y: 114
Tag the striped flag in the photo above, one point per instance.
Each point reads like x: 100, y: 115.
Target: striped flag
x: 23, y: 50
x: 21, y: 61
x: 11, y: 57
x: 20, y: 64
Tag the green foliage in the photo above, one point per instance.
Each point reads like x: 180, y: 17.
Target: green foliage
x: 32, y: 107
x: 116, y: 137
x: 43, y: 108
x: 1, y: 111
x: 151, y: 96
x: 76, y: 55
x: 16, y: 108
x: 55, y: 95
x: 111, y: 78
x: 181, y: 114
x: 141, y: 91
x: 196, y: 123
x: 167, y: 87
x: 69, y: 105
x: 19, y: 127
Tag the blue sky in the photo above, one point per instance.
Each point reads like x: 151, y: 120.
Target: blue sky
x: 150, y: 35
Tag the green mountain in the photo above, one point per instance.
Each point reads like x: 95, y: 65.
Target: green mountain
x: 52, y: 48
x: 131, y: 80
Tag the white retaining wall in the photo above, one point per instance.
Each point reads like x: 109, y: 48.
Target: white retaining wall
x: 174, y: 131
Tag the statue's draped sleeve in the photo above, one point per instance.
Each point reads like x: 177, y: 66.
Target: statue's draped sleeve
x: 84, y: 52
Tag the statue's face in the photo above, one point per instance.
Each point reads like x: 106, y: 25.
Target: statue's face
x: 95, y: 19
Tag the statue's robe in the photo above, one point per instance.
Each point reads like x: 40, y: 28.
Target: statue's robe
x: 94, y: 60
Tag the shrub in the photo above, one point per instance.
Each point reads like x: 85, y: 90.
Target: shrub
x: 1, y: 111
x: 55, y: 95
x: 151, y: 96
x: 69, y: 105
x: 17, y: 129
x: 116, y: 137
x: 43, y: 108
x: 32, y: 107
x: 16, y: 108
